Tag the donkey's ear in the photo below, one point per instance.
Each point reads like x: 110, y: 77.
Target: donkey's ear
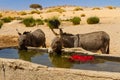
x: 61, y: 31
x: 18, y: 32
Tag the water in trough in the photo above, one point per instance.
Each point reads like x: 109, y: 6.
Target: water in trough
x: 61, y: 61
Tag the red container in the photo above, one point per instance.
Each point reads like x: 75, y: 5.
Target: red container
x: 81, y: 58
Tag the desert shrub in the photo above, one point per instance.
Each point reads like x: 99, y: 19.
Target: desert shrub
x: 53, y: 23
x: 93, y: 20
x: 39, y: 22
x: 110, y: 7
x: 78, y: 9
x: 56, y: 10
x: 82, y: 15
x: 18, y: 18
x: 29, y: 22
x: 76, y: 20
x: 1, y: 23
x: 96, y: 8
x: 37, y: 12
x: 22, y: 13
x: 7, y: 19
x: 46, y: 20
x: 0, y: 15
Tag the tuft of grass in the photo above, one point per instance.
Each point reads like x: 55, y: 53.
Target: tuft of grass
x: 22, y: 13
x: 7, y: 19
x: 82, y: 15
x: 78, y: 9
x: 96, y: 8
x: 18, y: 18
x: 33, y: 12
x: 1, y: 23
x: 1, y: 15
x: 110, y: 7
x: 93, y: 20
x: 76, y: 20
x: 29, y: 22
x: 60, y: 10
x: 39, y: 22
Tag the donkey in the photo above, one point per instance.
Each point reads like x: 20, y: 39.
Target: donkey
x: 33, y: 39
x: 93, y: 41
x: 56, y: 45
x: 62, y: 41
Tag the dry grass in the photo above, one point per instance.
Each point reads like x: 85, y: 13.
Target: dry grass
x: 60, y: 10
x: 78, y: 9
x: 96, y: 8
x: 82, y: 15
x: 110, y: 7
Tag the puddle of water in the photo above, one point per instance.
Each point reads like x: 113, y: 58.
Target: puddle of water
x: 44, y: 58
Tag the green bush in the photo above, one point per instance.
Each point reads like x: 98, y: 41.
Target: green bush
x: 76, y: 20
x: 53, y: 23
x: 29, y: 22
x: 1, y: 23
x: 93, y: 20
x: 7, y: 19
x: 39, y: 22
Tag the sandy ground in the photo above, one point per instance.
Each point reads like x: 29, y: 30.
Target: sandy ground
x: 109, y: 22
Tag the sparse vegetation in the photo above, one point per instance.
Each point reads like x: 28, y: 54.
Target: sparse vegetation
x: 0, y: 15
x: 78, y: 9
x: 76, y: 20
x: 7, y: 19
x: 39, y: 22
x: 37, y: 12
x: 96, y: 8
x: 82, y: 15
x: 1, y: 23
x: 56, y: 10
x: 110, y: 7
x: 22, y: 13
x: 36, y: 6
x: 93, y: 20
x: 18, y: 18
x: 29, y: 22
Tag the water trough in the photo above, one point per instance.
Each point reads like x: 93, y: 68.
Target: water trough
x: 40, y: 56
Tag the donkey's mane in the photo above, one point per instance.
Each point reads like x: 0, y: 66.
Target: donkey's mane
x: 67, y: 34
x: 26, y: 32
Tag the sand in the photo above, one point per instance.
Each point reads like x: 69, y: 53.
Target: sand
x: 109, y: 22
